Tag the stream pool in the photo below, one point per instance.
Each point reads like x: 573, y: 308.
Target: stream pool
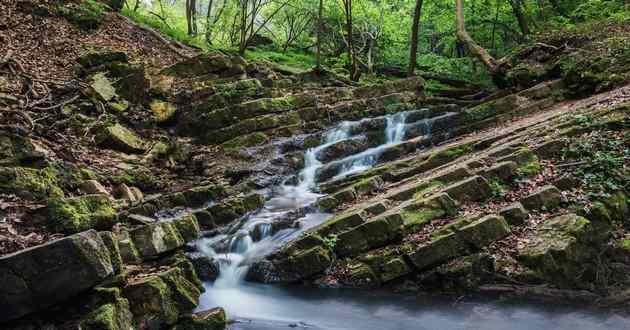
x: 266, y: 307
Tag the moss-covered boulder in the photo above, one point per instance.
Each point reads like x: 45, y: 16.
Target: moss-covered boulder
x: 304, y: 264
x: 188, y: 227
x: 213, y: 319
x: 155, y: 239
x: 76, y: 214
x: 95, y: 59
x: 110, y: 313
x: 159, y: 300
x: 120, y: 138
x: 47, y: 274
x: 424, y: 210
x: 30, y: 183
x: 564, y: 251
x: 208, y: 64
x: 387, y: 263
x: 20, y: 151
x: 340, y: 223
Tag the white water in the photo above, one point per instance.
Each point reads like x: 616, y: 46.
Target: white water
x: 288, y: 198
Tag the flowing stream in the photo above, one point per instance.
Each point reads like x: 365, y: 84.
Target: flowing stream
x: 263, y: 307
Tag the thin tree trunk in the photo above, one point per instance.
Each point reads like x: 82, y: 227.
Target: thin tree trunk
x: 354, y: 68
x: 494, y: 28
x: 318, y: 55
x: 520, y: 16
x: 415, y: 28
x: 556, y: 6
x: 479, y: 52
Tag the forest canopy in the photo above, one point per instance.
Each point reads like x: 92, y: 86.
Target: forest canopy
x: 286, y: 31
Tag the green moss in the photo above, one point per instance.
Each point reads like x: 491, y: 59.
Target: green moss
x: 73, y: 215
x: 420, y: 217
x: 30, y: 183
x: 86, y: 14
x: 625, y: 244
x: 529, y: 165
x: 449, y: 154
x: 249, y: 140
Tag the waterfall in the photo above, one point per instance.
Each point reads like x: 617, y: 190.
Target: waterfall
x: 394, y: 133
x: 242, y: 247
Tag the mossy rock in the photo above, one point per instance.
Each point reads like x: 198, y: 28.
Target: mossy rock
x: 19, y: 151
x: 564, y: 251
x: 122, y: 139
x: 437, y: 251
x: 85, y: 14
x: 30, y: 183
x: 112, y: 316
x: 213, y: 319
x: 155, y: 239
x: 388, y: 263
x: 249, y: 140
x: 151, y: 300
x: 188, y: 227
x: 111, y: 242
x: 163, y: 112
x: 76, y: 214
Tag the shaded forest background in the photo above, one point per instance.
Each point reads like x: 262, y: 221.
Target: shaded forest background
x: 286, y: 31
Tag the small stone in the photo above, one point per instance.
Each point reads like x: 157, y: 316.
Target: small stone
x: 102, y: 87
x: 162, y: 111
x: 124, y: 192
x: 514, y: 214
x: 92, y: 187
x: 137, y: 193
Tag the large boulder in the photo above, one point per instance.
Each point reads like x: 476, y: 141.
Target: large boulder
x: 44, y: 275
x: 564, y: 250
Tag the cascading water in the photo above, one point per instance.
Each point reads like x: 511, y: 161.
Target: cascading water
x: 241, y: 246
x: 394, y: 133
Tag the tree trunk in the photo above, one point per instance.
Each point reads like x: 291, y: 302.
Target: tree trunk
x: 556, y: 6
x: 415, y: 27
x: 318, y: 54
x: 479, y: 52
x: 354, y: 68
x: 520, y: 16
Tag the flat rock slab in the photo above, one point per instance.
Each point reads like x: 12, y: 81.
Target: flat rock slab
x: 44, y: 275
